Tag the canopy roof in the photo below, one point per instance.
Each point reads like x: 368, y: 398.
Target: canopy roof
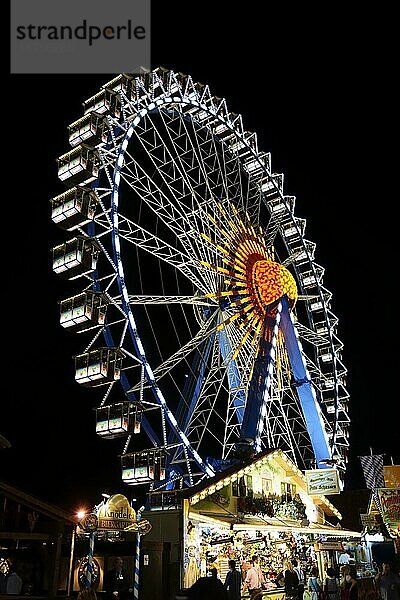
x: 236, y: 471
x: 33, y: 503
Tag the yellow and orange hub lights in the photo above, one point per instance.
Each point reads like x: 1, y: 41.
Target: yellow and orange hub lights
x: 270, y: 281
x: 254, y: 281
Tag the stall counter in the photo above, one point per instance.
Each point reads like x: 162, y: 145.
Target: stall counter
x: 277, y: 594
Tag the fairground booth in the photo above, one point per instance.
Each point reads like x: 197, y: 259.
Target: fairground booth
x: 263, y: 507
x: 381, y: 521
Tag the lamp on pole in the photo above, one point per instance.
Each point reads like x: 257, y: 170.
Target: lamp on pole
x: 79, y: 515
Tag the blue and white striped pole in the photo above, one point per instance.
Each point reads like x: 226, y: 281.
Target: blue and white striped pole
x: 89, y: 569
x: 137, y: 558
x: 137, y: 568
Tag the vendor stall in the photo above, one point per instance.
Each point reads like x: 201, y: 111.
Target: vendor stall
x: 380, y: 542
x: 258, y: 508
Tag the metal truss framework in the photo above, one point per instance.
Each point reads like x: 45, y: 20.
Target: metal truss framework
x: 177, y: 174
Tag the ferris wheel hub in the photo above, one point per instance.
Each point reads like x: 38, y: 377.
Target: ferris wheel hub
x: 270, y: 281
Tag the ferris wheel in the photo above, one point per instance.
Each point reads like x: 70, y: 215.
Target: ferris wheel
x: 202, y: 313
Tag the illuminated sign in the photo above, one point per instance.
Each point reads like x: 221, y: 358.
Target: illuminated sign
x: 369, y: 520
x: 390, y: 505
x: 116, y: 514
x: 322, y: 481
x: 328, y: 546
x: 113, y: 524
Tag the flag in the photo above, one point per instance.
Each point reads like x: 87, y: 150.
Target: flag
x: 372, y: 466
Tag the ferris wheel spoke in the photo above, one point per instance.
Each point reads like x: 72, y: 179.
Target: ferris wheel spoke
x: 151, y: 193
x: 237, y: 346
x: 224, y: 369
x: 133, y: 233
x: 221, y: 379
x: 198, y: 157
x: 158, y: 201
x: 222, y: 165
x: 186, y: 159
x: 247, y: 197
x: 174, y: 170
x: 187, y: 162
x: 270, y: 232
x: 184, y: 352
x: 242, y: 193
x: 170, y: 173
x: 206, y: 406
x: 162, y: 300
x: 204, y: 159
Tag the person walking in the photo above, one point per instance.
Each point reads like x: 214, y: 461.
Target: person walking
x: 254, y: 579
x: 331, y: 585
x: 348, y: 584
x: 233, y: 582
x: 301, y: 577
x: 258, y: 569
x: 314, y: 584
x: 14, y: 581
x: 388, y: 583
x: 291, y: 580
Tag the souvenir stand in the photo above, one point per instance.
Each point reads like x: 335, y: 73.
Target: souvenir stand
x: 380, y: 535
x: 260, y: 508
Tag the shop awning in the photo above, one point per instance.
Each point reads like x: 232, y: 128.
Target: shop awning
x: 281, y: 525
x: 271, y: 524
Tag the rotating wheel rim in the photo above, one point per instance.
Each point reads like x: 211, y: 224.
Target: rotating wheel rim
x: 282, y: 222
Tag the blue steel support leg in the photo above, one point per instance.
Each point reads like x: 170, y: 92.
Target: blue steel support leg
x: 192, y: 388
x: 310, y: 407
x: 254, y: 414
x: 234, y: 381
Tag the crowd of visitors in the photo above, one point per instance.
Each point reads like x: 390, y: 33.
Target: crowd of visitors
x: 337, y: 584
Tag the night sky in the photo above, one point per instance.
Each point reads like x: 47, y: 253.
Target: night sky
x: 319, y: 93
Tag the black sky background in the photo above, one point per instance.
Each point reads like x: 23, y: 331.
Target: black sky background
x: 319, y: 91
